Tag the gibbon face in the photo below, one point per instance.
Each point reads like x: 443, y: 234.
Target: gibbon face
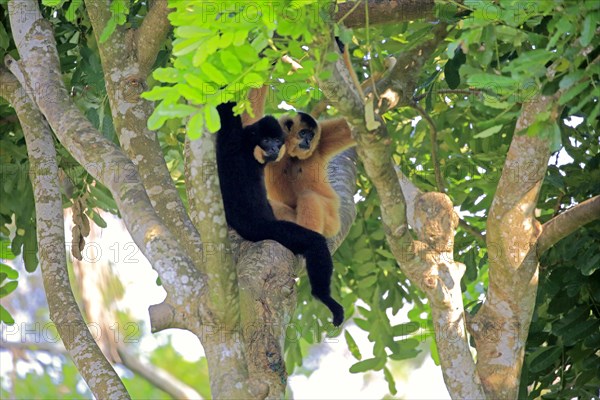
x: 303, y: 134
x: 268, y: 138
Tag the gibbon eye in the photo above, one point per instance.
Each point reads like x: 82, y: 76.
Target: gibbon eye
x: 306, y: 133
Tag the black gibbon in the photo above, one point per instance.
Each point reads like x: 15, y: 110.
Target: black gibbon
x: 297, y: 186
x: 242, y: 153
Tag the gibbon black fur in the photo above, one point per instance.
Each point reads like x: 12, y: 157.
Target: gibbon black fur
x: 242, y: 153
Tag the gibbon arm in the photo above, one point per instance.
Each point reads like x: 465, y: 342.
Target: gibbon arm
x: 335, y: 137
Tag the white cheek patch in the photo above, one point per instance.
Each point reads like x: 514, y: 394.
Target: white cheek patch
x: 281, y: 153
x: 259, y: 154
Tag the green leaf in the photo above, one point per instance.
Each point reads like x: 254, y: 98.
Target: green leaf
x: 178, y: 110
x: 580, y: 331
x: 192, y: 32
x: 231, y: 62
x: 589, y: 26
x: 491, y: 81
x: 183, y: 47
x: 435, y: 356
x: 362, y: 324
x: 161, y: 93
x: 352, y: 346
x: 71, y: 13
x: 253, y: 79
x: 5, y: 316
x: 195, y: 126
x: 226, y: 39
x: 30, y: 249
x: 452, y: 67
x: 367, y: 365
x: 488, y: 132
x: 572, y: 93
x: 405, y: 329
x: 166, y: 75
x: 385, y: 253
x: 10, y: 272
x: 4, y: 38
x: 211, y: 118
x: 570, y: 79
x: 553, y: 136
x: 390, y: 380
x: 239, y: 37
x: 214, y: 73
x: 102, y: 197
x: 406, y: 349
x: 246, y: 53
x: 332, y: 57
x: 591, y: 265
x: 8, y: 288
x: 110, y: 27
x: 98, y: 220
x: 367, y: 281
x: 544, y: 358
x: 363, y: 255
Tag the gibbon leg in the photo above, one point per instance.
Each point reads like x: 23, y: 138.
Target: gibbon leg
x: 282, y: 211
x: 311, y: 211
x: 332, y: 218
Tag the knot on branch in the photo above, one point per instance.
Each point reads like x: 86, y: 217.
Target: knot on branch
x: 435, y: 220
x: 132, y: 87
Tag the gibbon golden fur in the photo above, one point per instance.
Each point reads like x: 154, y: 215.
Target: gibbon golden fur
x: 298, y: 187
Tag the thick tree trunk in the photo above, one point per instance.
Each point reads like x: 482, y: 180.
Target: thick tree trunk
x: 501, y: 325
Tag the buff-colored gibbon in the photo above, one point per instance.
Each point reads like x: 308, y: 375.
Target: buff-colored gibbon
x: 298, y: 187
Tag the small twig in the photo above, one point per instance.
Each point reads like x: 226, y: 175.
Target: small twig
x: 354, y: 7
x: 479, y: 237
x: 558, y: 202
x: 449, y: 91
x: 370, y: 49
x: 439, y: 180
x: 319, y: 109
x: 288, y: 60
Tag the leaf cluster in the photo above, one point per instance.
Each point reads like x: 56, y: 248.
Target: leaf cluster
x: 223, y: 49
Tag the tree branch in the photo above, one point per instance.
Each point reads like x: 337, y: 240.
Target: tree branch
x: 64, y: 312
x: 398, y: 86
x: 150, y: 36
x: 106, y: 163
x: 221, y: 308
x: 512, y: 232
x: 428, y: 262
x: 158, y: 377
x: 130, y: 115
x: 375, y: 153
x: 479, y: 237
x: 566, y: 223
x: 382, y: 12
